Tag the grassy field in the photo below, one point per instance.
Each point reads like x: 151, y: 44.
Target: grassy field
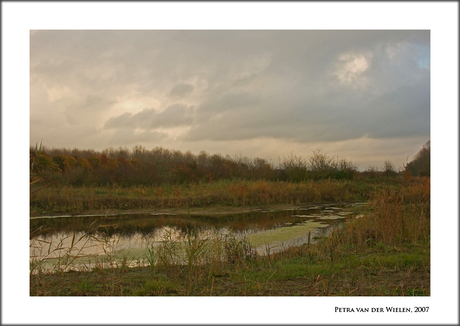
x: 224, y: 193
x: 384, y: 253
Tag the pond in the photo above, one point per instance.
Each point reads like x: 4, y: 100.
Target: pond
x: 127, y: 237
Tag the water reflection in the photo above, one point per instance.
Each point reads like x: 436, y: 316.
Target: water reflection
x: 97, y: 235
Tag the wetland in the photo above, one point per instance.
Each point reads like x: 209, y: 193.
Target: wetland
x: 132, y: 233
x: 170, y: 224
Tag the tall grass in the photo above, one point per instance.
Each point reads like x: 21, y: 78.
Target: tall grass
x: 236, y: 193
x: 395, y: 217
x: 383, y: 252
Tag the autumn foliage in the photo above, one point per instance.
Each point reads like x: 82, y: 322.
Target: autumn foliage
x: 140, y: 166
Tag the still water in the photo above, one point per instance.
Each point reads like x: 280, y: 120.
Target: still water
x: 90, y: 236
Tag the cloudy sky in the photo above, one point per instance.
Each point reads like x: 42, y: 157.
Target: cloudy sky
x: 362, y: 95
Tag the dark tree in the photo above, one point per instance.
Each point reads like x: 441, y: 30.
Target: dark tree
x: 420, y: 165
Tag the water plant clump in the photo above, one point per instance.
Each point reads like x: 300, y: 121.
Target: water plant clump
x: 275, y: 236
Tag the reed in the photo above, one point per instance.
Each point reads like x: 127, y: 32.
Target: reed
x: 385, y: 250
x: 395, y: 217
x: 235, y: 193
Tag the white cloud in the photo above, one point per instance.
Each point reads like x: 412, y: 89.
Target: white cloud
x: 351, y: 69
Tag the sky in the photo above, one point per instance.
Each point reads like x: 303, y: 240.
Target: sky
x: 359, y: 95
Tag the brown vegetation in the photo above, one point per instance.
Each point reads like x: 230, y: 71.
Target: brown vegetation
x: 385, y: 252
x: 139, y: 166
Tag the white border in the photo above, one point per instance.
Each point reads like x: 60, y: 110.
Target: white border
x: 20, y: 17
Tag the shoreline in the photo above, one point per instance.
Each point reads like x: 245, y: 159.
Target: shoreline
x: 196, y: 211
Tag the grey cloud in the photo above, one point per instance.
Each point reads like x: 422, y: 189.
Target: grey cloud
x: 172, y: 116
x: 122, y: 121
x: 310, y: 106
x: 181, y: 90
x: 92, y: 101
x: 226, y: 101
x: 335, y: 115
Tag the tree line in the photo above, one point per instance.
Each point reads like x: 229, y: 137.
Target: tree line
x: 140, y: 166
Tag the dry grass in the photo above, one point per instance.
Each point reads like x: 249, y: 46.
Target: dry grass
x: 396, y: 216
x: 236, y: 193
x: 385, y: 252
